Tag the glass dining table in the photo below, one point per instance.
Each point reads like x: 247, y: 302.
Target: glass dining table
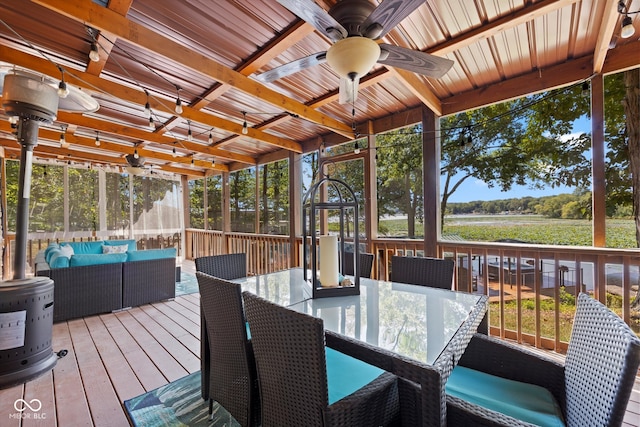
x: 417, y: 332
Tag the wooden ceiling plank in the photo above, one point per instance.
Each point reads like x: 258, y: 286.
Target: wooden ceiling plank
x: 607, y: 28
x: 95, y: 83
x: 104, y: 19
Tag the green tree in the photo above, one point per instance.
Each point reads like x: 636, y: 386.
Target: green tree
x: 400, y: 175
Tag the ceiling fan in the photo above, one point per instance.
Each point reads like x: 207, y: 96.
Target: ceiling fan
x: 353, y: 26
x: 136, y: 165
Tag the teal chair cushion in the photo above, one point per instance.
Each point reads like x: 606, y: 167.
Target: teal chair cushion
x: 82, y: 260
x: 48, y: 251
x: 525, y: 402
x: 346, y: 374
x: 58, y: 259
x: 80, y: 248
x: 130, y: 242
x: 151, y: 254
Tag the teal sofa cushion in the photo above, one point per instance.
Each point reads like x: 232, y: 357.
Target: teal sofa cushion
x: 151, y: 254
x: 80, y: 248
x: 130, y: 242
x: 58, y: 259
x: 525, y: 402
x: 48, y: 251
x: 346, y: 374
x: 81, y: 260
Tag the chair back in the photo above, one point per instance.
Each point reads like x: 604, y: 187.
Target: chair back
x: 231, y: 369
x: 432, y: 272
x: 226, y: 266
x: 601, y: 366
x: 289, y: 353
x: 366, y: 263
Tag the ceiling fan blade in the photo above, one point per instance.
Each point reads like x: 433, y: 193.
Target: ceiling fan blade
x: 414, y: 60
x: 309, y: 11
x: 389, y: 14
x: 348, y: 90
x: 292, y: 67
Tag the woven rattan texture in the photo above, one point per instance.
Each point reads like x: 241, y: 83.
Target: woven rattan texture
x: 290, y: 357
x: 592, y: 386
x: 601, y: 365
x: 226, y: 266
x: 433, y: 272
x: 366, y: 262
x: 71, y: 299
x: 148, y: 281
x: 232, y: 377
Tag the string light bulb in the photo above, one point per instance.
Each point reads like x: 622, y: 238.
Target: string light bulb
x: 193, y: 162
x: 210, y: 140
x: 63, y: 139
x: 97, y: 139
x: 135, y: 154
x: 356, y: 148
x: 152, y: 125
x: 213, y: 162
x: 173, y: 152
x: 189, y: 134
x: 63, y: 90
x: 627, y: 27
x: 245, y: 128
x: 94, y: 55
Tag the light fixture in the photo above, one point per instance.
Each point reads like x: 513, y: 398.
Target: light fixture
x: 97, y: 138
x: 245, y: 129
x: 152, y: 125
x: 189, y: 134
x: 63, y: 90
x: 353, y: 56
x: 135, y: 154
x: 627, y: 27
x: 147, y: 106
x: 193, y: 162
x: 356, y: 148
x: 63, y: 139
x: 94, y: 55
x: 178, y: 105
x: 585, y: 89
x: 213, y: 162
x: 174, y: 154
x: 210, y: 138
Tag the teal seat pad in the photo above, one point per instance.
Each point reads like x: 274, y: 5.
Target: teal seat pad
x: 346, y: 374
x: 525, y: 402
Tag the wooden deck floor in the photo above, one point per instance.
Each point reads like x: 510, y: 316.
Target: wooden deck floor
x: 114, y: 357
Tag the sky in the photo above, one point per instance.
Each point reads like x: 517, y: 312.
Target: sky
x: 474, y: 189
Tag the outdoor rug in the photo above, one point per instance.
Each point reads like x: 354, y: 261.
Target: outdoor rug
x: 176, y: 404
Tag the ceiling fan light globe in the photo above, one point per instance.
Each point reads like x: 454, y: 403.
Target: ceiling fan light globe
x: 353, y: 55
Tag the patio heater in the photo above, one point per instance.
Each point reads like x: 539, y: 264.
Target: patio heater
x: 26, y: 304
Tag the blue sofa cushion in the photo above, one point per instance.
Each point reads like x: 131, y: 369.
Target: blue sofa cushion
x: 80, y: 248
x: 525, y: 402
x: 131, y: 243
x: 49, y: 249
x: 81, y: 260
x: 346, y: 374
x: 58, y: 259
x: 151, y: 254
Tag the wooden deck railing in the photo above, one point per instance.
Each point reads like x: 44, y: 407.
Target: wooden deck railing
x: 531, y: 288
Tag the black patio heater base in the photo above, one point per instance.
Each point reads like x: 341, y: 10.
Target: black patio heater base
x: 26, y: 322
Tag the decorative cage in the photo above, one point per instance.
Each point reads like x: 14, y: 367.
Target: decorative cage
x: 345, y: 203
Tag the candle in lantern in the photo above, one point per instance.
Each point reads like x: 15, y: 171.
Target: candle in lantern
x: 329, y: 261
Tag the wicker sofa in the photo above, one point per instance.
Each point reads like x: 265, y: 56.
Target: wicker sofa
x: 90, y: 282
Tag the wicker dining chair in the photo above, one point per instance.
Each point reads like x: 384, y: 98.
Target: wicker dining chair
x: 432, y: 272
x: 232, y: 372
x: 591, y: 388
x: 304, y: 383
x: 366, y: 264
x: 225, y: 266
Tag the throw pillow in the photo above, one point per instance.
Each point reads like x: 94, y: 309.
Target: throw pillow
x: 114, y: 249
x: 66, y: 250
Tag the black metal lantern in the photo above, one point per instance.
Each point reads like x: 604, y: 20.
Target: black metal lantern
x: 345, y: 203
